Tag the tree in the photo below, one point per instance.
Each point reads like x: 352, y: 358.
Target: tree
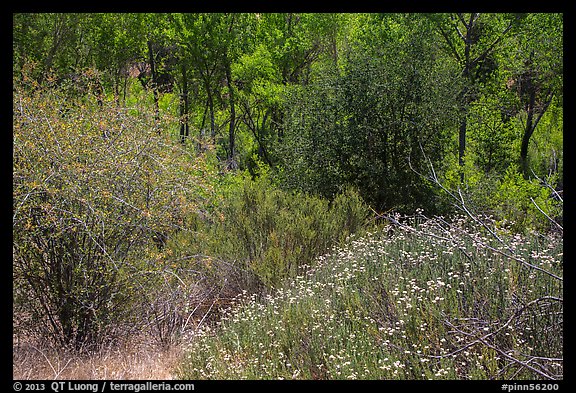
x: 285, y: 49
x: 211, y: 44
x: 236, y: 40
x: 472, y: 40
x: 114, y: 43
x: 258, y: 95
x: 537, y: 75
x: 198, y: 36
x: 491, y: 135
x: 52, y: 40
x: 363, y: 125
x: 29, y: 36
x: 158, y: 49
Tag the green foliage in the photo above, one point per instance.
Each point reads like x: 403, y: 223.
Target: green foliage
x: 491, y: 145
x: 377, y: 87
x: 325, y: 111
x: 254, y: 67
x: 367, y: 125
x: 435, y: 300
x: 518, y: 201
x: 92, y: 188
x: 269, y: 232
x: 546, y: 155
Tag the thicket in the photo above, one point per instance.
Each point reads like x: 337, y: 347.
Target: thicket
x: 164, y: 163
x: 95, y: 191
x: 435, y: 299
x: 266, y: 234
x: 388, y: 106
x: 118, y: 228
x: 335, y: 100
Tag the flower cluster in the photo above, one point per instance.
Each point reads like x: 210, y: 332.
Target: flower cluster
x: 435, y: 301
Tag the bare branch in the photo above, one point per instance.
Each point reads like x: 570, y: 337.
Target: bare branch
x: 212, y: 305
x: 544, y: 182
x: 483, y: 339
x: 547, y: 216
x: 501, y: 352
x: 461, y: 204
x: 450, y: 44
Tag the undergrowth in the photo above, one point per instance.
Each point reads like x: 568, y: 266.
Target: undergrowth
x: 426, y: 299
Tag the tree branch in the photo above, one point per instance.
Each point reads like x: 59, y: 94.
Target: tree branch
x: 491, y: 47
x: 461, y: 204
x: 450, y: 44
x: 547, y: 216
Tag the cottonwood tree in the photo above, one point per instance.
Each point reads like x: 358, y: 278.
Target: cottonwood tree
x: 114, y: 42
x: 473, y: 41
x: 537, y: 74
x: 199, y: 38
x: 53, y: 41
x: 287, y: 46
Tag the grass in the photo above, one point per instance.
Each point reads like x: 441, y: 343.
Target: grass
x: 432, y: 300
x: 137, y: 360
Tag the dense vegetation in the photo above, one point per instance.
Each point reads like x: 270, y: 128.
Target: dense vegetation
x: 234, y: 183
x: 436, y: 300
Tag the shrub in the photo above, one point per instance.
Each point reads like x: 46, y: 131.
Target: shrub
x: 93, y: 187
x: 524, y: 203
x: 519, y: 203
x: 270, y: 234
x: 437, y: 299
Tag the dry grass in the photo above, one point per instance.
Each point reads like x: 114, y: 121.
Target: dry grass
x: 133, y: 361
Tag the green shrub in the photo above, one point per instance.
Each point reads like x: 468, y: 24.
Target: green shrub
x: 435, y: 300
x: 519, y: 201
x: 271, y: 233
x: 515, y: 202
x: 92, y: 188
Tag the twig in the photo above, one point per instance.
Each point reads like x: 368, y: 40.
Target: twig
x: 484, y: 338
x: 547, y: 216
x: 480, y: 222
x: 56, y: 373
x: 544, y: 182
x: 462, y: 206
x: 518, y: 361
x: 212, y: 305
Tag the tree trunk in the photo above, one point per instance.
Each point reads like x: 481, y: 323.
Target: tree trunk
x: 212, y: 119
x: 154, y: 84
x: 57, y: 37
x: 538, y: 109
x: 528, y: 131
x: 206, y: 76
x: 117, y: 79
x: 232, y: 125
x: 184, y: 128
x: 462, y: 146
x: 465, y: 98
x: 124, y: 88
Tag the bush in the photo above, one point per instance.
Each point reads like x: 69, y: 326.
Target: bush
x: 515, y: 202
x: 524, y: 203
x: 366, y: 123
x: 270, y: 234
x: 95, y: 191
x: 434, y: 300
